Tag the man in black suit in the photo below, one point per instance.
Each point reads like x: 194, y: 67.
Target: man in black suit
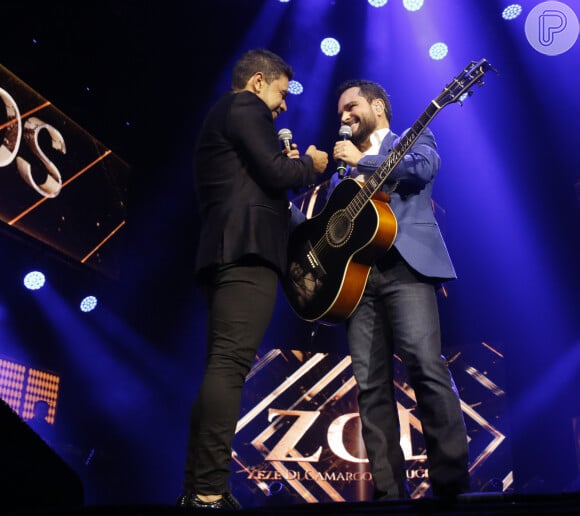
x: 242, y: 179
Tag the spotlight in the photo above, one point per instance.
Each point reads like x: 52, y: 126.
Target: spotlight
x: 34, y: 280
x: 511, y: 12
x: 330, y: 46
x: 412, y: 5
x: 88, y: 304
x: 295, y: 88
x: 438, y: 51
x: 378, y: 3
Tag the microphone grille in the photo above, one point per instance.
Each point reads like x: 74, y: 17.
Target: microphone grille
x: 345, y: 131
x: 285, y: 134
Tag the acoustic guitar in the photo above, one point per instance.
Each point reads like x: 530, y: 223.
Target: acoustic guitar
x: 330, y: 254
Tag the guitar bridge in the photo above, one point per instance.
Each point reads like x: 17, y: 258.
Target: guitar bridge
x: 314, y: 263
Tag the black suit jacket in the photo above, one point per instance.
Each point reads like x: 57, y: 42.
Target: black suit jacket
x: 241, y: 180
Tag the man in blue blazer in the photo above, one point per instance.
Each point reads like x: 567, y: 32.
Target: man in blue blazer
x: 398, y: 311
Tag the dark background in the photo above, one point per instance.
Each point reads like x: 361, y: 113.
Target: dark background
x: 140, y: 75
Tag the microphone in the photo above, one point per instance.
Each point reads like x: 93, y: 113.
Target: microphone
x: 345, y: 132
x: 285, y: 136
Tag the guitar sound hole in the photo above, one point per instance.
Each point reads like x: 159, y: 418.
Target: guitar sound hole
x: 339, y: 229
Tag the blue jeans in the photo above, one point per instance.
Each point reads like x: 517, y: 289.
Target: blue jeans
x: 240, y: 300
x: 398, y: 313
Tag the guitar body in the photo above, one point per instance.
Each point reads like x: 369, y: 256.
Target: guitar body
x: 330, y: 255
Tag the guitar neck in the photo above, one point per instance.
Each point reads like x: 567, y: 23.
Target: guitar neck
x: 455, y: 91
x: 375, y: 182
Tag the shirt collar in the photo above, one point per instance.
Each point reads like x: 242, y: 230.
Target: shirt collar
x: 376, y: 139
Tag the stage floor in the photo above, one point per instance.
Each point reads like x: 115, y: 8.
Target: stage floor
x: 480, y: 504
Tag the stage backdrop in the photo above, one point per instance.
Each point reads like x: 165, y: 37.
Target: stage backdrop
x: 299, y: 436
x: 58, y: 185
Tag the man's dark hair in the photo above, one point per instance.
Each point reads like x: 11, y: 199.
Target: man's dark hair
x: 370, y: 90
x: 259, y: 60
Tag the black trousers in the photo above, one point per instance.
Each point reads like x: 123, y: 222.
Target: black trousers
x: 240, y: 300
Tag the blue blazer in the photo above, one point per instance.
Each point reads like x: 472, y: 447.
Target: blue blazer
x: 418, y: 240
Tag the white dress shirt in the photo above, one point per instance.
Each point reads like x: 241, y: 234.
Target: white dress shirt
x: 376, y: 139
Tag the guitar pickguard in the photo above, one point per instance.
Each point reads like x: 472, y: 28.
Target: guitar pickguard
x: 306, y: 276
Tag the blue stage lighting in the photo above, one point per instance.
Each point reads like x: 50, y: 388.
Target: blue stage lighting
x: 34, y: 280
x: 378, y: 3
x: 88, y: 304
x: 511, y: 12
x: 412, y: 5
x: 295, y: 88
x: 330, y: 46
x: 438, y: 51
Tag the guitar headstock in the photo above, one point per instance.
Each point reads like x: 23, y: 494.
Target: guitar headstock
x: 460, y: 86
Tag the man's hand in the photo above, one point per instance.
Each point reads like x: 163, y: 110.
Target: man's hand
x: 345, y: 150
x: 319, y: 158
x: 293, y: 153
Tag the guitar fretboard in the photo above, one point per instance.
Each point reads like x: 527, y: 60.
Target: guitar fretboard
x: 375, y: 182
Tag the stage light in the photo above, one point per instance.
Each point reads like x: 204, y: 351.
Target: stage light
x: 330, y: 46
x: 295, y: 88
x: 378, y: 3
x: 438, y: 51
x: 34, y: 280
x: 12, y: 380
x: 88, y: 304
x: 412, y: 5
x: 511, y: 12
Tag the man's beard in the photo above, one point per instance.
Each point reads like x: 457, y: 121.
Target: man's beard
x: 365, y: 129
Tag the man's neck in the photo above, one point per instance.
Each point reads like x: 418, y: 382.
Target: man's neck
x: 367, y: 144
x: 373, y: 142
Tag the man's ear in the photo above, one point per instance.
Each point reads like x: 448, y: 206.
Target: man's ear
x: 256, y: 82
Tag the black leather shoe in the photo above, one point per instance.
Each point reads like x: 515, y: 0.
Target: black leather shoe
x: 227, y: 501
x: 184, y: 500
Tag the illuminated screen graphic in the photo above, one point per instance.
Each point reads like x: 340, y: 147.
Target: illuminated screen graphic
x: 299, y: 438
x: 21, y: 387
x: 58, y: 184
